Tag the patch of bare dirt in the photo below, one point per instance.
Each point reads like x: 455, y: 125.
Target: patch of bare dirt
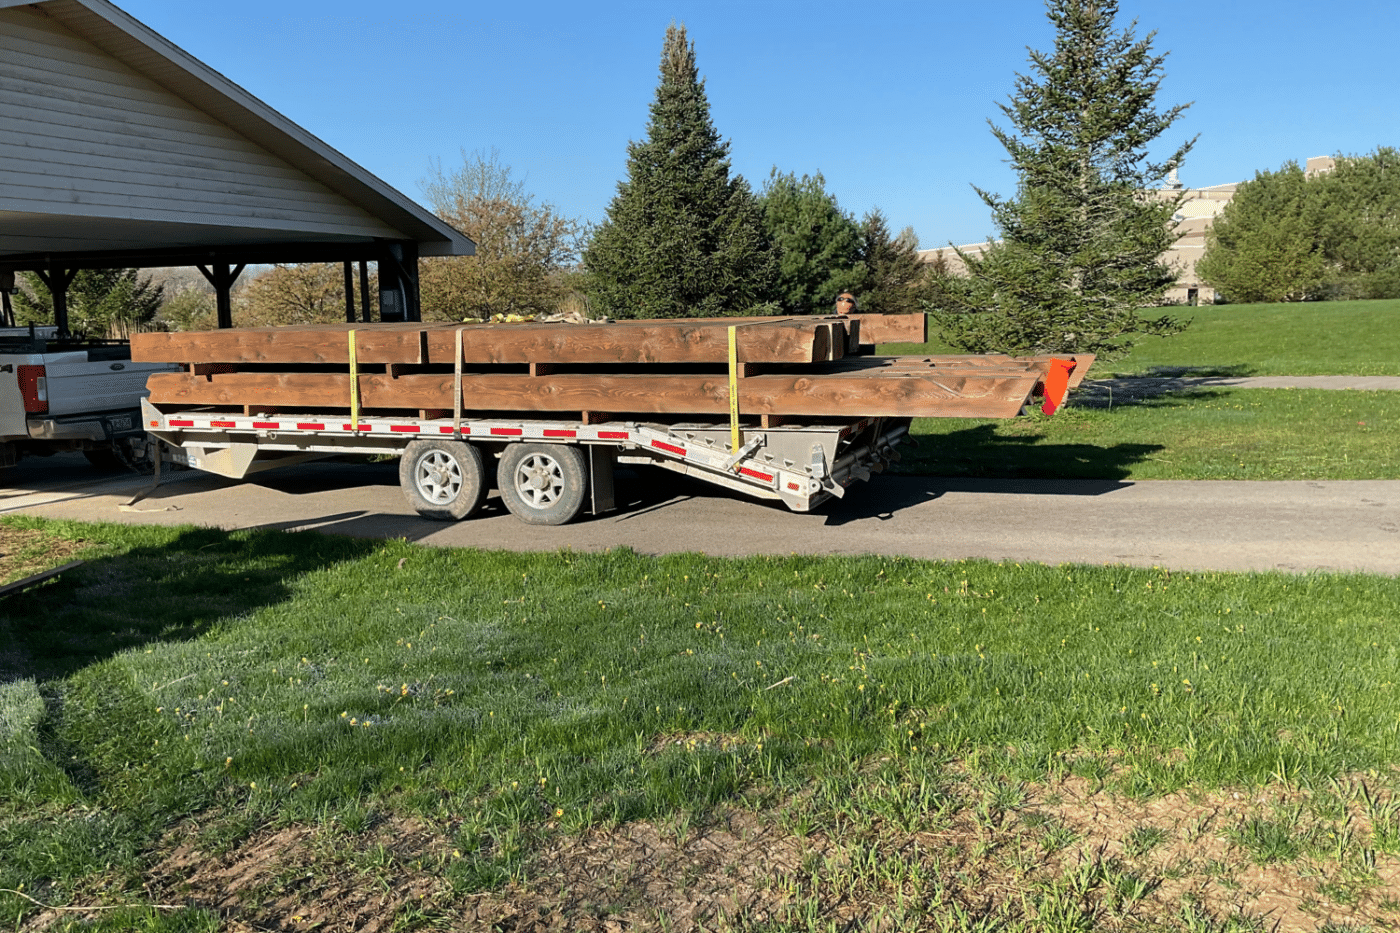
x: 1202, y: 861
x: 1121, y: 862
x: 24, y: 551
x: 301, y: 878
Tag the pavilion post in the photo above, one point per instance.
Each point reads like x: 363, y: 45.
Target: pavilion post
x: 57, y: 279
x: 219, y: 275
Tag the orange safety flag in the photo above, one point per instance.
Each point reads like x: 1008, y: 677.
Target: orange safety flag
x: 1056, y: 384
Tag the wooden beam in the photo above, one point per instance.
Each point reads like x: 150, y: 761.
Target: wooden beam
x: 847, y: 395
x: 781, y: 340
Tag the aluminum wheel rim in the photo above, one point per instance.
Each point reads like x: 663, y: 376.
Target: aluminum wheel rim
x: 539, y: 481
x: 438, y: 477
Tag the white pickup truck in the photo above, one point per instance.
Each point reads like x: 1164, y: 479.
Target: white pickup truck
x: 72, y: 394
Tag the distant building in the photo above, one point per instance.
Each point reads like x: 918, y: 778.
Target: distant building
x: 1198, y: 210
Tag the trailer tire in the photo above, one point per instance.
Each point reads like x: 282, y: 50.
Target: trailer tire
x: 543, y: 484
x: 443, y: 480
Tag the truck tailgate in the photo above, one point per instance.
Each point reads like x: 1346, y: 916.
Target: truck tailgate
x: 77, y: 384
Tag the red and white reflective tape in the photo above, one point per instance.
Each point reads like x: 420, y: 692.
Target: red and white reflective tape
x: 751, y: 471
x: 479, y: 429
x: 676, y: 449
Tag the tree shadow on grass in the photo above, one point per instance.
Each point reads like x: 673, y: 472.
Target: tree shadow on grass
x: 980, y: 452
x: 173, y: 591
x: 1160, y: 383
x: 1216, y: 370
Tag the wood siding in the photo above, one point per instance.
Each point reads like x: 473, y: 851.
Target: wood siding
x: 83, y: 134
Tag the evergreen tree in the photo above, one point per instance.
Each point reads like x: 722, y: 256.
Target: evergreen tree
x: 99, y: 300
x: 897, y: 275
x: 818, y: 244
x: 1286, y: 236
x: 1079, y: 242
x: 682, y: 237
x: 1265, y: 245
x: 1357, y: 208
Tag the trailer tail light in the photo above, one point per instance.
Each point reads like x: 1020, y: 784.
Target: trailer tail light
x: 34, y: 389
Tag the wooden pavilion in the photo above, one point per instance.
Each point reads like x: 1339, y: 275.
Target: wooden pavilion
x: 118, y: 149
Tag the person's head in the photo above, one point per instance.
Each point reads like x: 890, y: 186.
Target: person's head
x: 845, y: 303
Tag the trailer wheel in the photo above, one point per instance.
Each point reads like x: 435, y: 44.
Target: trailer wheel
x: 543, y: 484
x: 443, y: 480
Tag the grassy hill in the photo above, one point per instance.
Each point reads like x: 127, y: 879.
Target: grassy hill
x: 1333, y: 338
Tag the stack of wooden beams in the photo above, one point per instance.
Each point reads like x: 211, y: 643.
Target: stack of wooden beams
x: 788, y: 368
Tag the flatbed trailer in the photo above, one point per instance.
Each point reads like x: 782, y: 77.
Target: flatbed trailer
x: 548, y: 471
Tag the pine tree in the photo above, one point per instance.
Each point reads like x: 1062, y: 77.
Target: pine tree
x: 1266, y: 244
x: 1288, y: 236
x: 98, y: 300
x: 1079, y: 248
x: 682, y: 237
x: 1357, y: 207
x: 897, y: 275
x: 818, y: 244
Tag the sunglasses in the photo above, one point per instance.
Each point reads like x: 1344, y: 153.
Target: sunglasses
x: 845, y: 301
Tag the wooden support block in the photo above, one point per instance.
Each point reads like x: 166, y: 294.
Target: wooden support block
x: 892, y: 328
x: 821, y: 345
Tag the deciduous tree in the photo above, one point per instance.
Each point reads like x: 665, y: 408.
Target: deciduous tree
x: 1077, y: 255
x: 521, y: 247
x: 683, y: 237
x: 190, y: 309
x: 297, y: 293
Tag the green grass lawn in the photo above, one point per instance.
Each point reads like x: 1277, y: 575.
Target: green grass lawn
x: 1344, y: 338
x: 904, y: 723
x: 1250, y: 434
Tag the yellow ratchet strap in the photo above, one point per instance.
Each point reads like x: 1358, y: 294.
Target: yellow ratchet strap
x: 457, y: 387
x: 354, y: 386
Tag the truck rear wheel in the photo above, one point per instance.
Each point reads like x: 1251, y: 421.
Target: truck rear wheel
x: 443, y: 480
x: 543, y: 484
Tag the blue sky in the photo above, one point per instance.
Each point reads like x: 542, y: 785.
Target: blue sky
x: 888, y: 100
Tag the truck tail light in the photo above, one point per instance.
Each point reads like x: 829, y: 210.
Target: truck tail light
x: 34, y: 388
